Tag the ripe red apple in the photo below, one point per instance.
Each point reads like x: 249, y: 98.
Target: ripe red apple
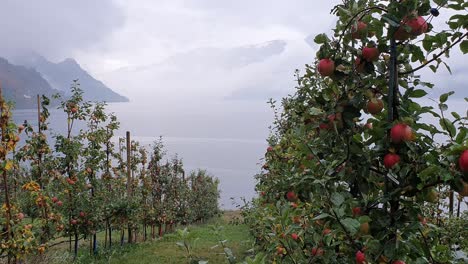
x: 270, y: 149
x: 356, y: 211
x: 463, y: 161
x: 324, y: 126
x: 370, y: 54
x: 294, y: 205
x: 291, y: 196
x: 391, y: 160
x: 59, y: 203
x: 54, y: 199
x: 294, y: 236
x: 360, y: 257
x: 73, y: 222
x: 326, y: 231
x: 418, y: 26
x: 20, y: 128
x: 74, y: 110
x: 20, y: 216
x: 401, y: 132
x: 280, y: 250
x: 317, y: 251
x: 399, y: 262
x: 82, y: 214
x: 422, y: 220
x: 326, y: 67
x: 360, y: 31
x: 70, y: 181
x: 375, y: 106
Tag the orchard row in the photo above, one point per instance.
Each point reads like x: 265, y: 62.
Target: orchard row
x: 87, y: 183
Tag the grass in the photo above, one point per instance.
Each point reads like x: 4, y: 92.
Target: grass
x: 165, y: 249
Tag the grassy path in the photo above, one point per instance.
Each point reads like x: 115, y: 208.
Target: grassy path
x: 203, y: 239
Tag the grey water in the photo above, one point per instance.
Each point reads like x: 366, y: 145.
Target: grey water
x: 225, y: 139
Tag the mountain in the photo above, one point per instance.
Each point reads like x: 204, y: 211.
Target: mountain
x: 21, y: 84
x: 61, y: 75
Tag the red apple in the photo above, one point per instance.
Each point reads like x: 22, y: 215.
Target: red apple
x: 391, y: 160
x: 54, y: 199
x: 360, y: 257
x: 70, y: 181
x: 326, y: 231
x: 324, y: 126
x: 375, y: 106
x: 463, y: 161
x: 422, y: 220
x: 59, y: 203
x: 326, y: 67
x: 270, y: 149
x: 418, y: 26
x: 20, y: 128
x: 401, y: 132
x: 74, y: 110
x: 294, y: 236
x: 360, y: 31
x: 73, y: 222
x: 20, y: 216
x: 356, y: 211
x: 294, y: 205
x: 82, y: 214
x: 399, y: 262
x: 280, y: 250
x: 370, y: 54
x: 291, y: 196
x: 317, y: 251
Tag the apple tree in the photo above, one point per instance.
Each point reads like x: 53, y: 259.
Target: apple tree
x: 353, y: 166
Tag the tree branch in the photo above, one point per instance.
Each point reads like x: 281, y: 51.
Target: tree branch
x: 436, y: 56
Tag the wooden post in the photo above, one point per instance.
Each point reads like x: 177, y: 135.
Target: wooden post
x: 129, y: 179
x: 129, y: 165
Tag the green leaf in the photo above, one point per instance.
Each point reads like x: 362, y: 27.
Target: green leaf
x: 448, y: 126
x: 352, y: 225
x: 321, y: 39
x: 417, y: 93
x: 337, y: 199
x: 464, y: 46
x: 461, y: 136
x: 455, y: 115
x: 315, y: 111
x: 321, y: 216
x: 391, y: 20
x: 443, y: 98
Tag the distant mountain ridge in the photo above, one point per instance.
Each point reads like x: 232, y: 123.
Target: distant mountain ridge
x: 61, y: 75
x: 21, y: 84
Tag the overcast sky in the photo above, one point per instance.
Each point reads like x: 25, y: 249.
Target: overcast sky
x: 176, y: 49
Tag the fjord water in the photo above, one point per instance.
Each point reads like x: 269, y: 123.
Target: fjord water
x: 227, y: 139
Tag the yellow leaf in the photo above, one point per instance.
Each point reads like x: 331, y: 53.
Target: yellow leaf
x: 8, y: 165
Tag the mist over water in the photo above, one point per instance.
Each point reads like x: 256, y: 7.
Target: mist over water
x: 229, y: 143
